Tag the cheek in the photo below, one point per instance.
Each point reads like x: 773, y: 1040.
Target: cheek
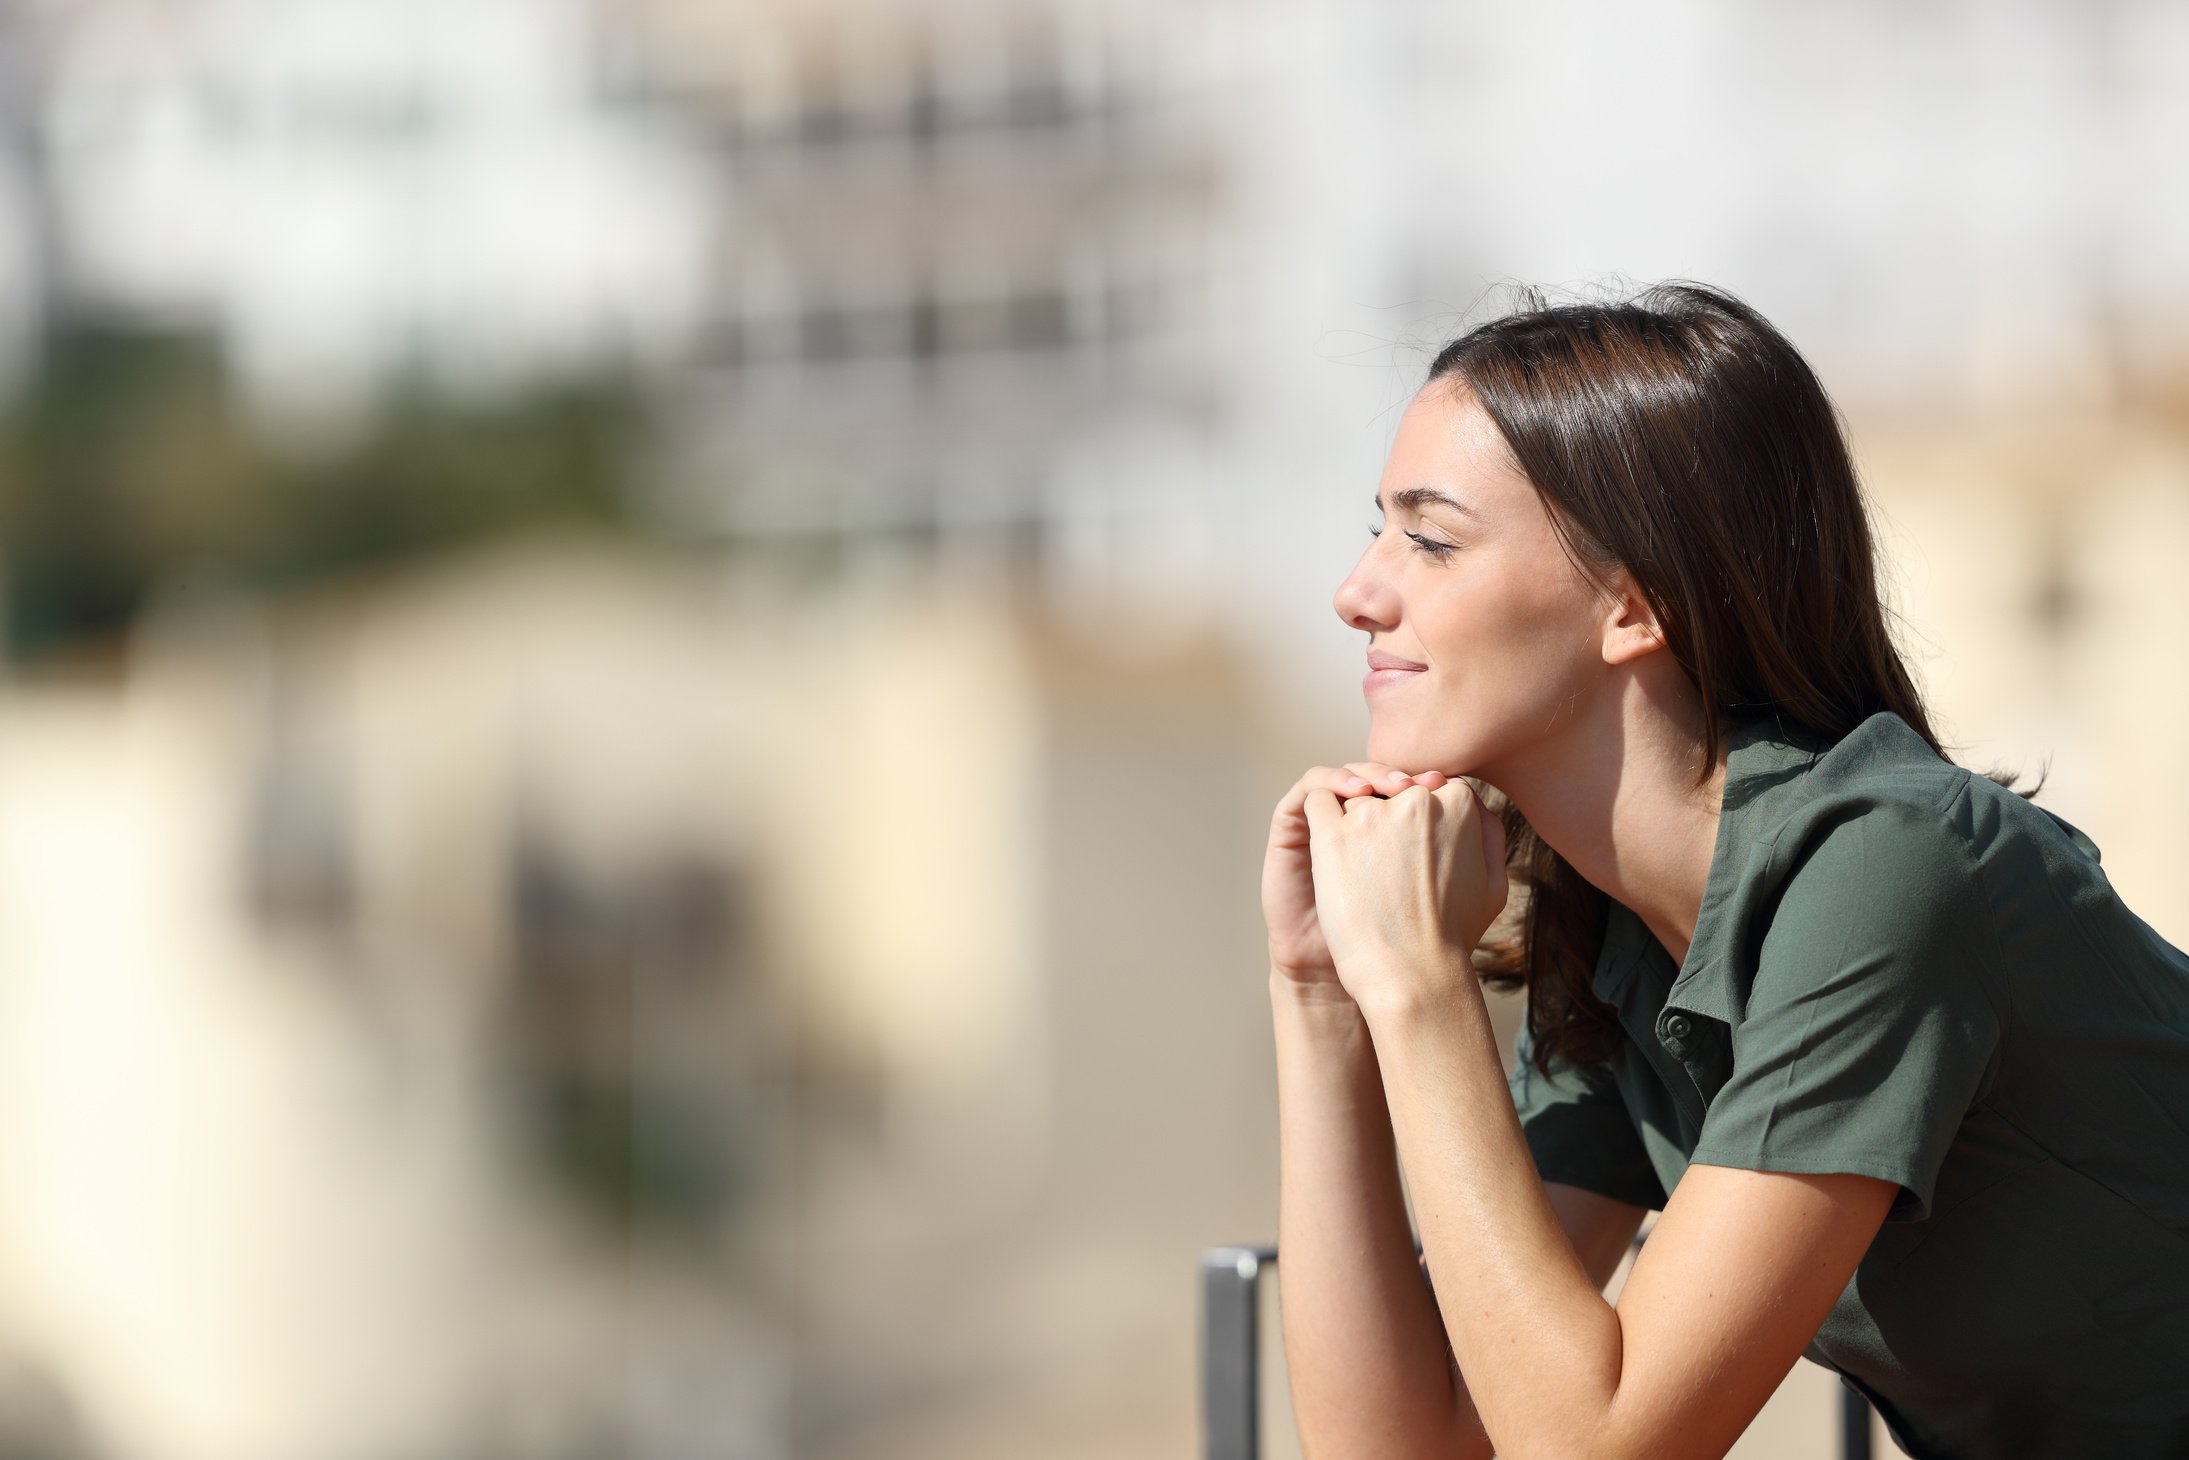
x: 1525, y: 622
x: 1513, y: 653
x: 1557, y: 624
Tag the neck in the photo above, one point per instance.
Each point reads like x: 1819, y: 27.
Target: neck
x: 1619, y: 800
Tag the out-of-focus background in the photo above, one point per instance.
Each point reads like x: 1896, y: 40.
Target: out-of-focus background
x: 648, y: 642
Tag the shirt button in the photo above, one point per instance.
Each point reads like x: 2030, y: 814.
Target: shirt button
x: 1676, y: 1026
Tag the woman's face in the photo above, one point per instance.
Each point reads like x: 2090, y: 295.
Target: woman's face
x: 1468, y: 581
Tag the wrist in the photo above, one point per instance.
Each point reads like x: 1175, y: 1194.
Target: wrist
x: 1398, y: 989
x: 1312, y: 993
x: 1318, y: 1027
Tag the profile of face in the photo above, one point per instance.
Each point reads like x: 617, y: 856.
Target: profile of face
x: 1499, y: 648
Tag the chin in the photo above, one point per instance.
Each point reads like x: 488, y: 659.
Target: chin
x: 1414, y: 755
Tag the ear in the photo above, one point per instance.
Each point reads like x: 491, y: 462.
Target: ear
x: 1630, y: 625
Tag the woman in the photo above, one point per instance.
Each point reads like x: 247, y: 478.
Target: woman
x: 1908, y: 1082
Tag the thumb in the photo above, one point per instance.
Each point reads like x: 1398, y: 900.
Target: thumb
x: 1493, y: 840
x: 1460, y: 800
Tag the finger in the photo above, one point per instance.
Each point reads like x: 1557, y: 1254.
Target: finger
x: 1340, y: 781
x: 1328, y: 778
x: 1457, y: 794
x: 1459, y: 800
x: 1388, y: 779
x: 1323, y: 810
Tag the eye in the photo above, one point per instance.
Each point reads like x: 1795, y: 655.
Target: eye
x: 1428, y: 547
x: 1431, y: 547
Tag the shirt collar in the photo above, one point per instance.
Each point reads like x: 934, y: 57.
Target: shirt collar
x: 1763, y: 758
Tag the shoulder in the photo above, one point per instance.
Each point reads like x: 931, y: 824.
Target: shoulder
x: 1877, y: 816
x: 1881, y: 763
x: 1858, y: 854
x: 1891, y: 871
x: 1881, y: 820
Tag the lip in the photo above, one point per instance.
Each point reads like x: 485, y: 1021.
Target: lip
x: 1386, y: 670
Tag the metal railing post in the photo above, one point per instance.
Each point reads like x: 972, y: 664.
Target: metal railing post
x: 1231, y: 1351
x: 1854, y: 1423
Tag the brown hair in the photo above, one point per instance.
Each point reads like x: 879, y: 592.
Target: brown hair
x: 1680, y: 436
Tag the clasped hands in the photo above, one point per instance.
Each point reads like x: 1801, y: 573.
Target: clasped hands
x: 1378, y: 884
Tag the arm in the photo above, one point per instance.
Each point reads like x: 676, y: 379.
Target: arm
x: 1869, y: 1030
x: 1602, y: 1231
x: 1737, y: 1277
x: 1370, y: 1365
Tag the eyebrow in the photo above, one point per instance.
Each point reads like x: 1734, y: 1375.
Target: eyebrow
x: 1413, y: 499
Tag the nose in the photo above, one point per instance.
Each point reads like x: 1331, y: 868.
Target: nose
x: 1364, y: 600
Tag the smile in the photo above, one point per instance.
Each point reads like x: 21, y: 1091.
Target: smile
x: 1377, y: 679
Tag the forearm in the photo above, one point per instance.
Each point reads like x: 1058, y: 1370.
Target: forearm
x: 1365, y: 1348
x: 1541, y: 1348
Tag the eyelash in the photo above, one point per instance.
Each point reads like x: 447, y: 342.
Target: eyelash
x: 1437, y: 550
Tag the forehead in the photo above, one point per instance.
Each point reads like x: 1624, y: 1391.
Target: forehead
x: 1447, y: 442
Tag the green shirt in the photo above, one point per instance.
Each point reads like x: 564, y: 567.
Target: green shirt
x: 1902, y: 970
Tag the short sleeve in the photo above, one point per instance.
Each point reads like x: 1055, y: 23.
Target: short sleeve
x: 1579, y: 1130
x: 1868, y: 1032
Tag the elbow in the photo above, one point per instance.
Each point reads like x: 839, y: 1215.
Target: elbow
x: 1555, y: 1449
x: 1446, y: 1428
x: 1391, y: 1438
x: 1607, y: 1444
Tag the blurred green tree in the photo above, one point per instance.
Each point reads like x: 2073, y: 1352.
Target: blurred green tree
x: 127, y: 462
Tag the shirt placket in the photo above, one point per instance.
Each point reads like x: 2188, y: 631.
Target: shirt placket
x: 1702, y: 1047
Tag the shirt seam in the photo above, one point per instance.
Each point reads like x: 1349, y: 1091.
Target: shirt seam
x: 1995, y: 952
x: 1884, y: 1167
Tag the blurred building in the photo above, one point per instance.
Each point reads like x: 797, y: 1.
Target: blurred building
x: 25, y: 218
x: 345, y: 193
x: 655, y: 1012
x: 971, y: 242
